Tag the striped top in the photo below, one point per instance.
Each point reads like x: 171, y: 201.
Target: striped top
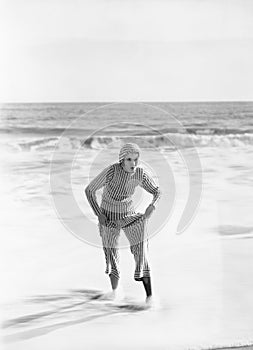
x: 119, y: 186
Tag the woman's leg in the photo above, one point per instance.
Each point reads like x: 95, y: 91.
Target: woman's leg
x: 136, y: 234
x: 114, y: 281
x: 147, y: 285
x: 110, y: 238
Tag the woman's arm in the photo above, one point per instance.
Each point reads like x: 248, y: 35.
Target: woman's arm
x: 150, y: 186
x: 98, y: 182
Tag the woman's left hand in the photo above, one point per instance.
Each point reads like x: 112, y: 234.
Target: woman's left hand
x: 149, y: 211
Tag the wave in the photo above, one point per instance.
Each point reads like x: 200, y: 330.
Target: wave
x: 192, y: 130
x: 218, y: 131
x: 166, y: 141
x: 41, y: 131
x: 175, y: 140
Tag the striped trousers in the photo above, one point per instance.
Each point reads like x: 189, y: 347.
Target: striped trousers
x: 134, y: 227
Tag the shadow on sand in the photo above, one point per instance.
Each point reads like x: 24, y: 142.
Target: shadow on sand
x: 58, y: 311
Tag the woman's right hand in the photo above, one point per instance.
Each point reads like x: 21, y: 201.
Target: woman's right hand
x: 149, y: 211
x: 102, y: 219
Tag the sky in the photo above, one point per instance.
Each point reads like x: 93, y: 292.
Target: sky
x: 126, y: 50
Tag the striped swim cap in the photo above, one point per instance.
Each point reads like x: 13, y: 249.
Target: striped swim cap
x: 128, y: 148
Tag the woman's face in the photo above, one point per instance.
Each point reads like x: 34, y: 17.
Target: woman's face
x: 131, y: 162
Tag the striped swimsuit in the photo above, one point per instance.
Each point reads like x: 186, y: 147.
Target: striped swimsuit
x: 117, y: 205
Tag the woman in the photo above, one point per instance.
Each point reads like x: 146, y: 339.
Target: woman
x: 116, y: 212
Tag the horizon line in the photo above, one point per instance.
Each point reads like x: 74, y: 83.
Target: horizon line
x: 111, y: 101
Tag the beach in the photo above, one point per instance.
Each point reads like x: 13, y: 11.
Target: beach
x: 204, y: 295
x: 202, y: 277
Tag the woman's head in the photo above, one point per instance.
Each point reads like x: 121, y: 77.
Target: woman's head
x: 128, y: 156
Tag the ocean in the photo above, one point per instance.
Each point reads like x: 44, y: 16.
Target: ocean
x: 221, y: 134
x: 200, y: 153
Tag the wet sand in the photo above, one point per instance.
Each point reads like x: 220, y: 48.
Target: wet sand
x: 204, y: 288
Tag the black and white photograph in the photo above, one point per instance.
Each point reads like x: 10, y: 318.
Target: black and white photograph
x: 126, y: 197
